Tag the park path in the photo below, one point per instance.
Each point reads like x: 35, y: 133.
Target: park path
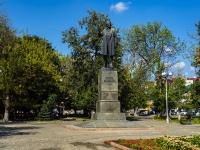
x: 65, y: 136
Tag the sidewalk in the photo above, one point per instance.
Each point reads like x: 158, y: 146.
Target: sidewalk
x: 66, y: 136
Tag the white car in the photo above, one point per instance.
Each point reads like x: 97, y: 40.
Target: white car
x: 183, y: 113
x: 198, y: 114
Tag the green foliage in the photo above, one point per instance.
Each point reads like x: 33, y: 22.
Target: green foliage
x: 194, y: 140
x: 196, y: 50
x: 158, y: 96
x: 176, y: 91
x: 195, y: 97
x: 175, y: 143
x: 36, y: 73
x: 132, y: 90
x: 44, y: 113
x: 174, y: 119
x: 7, y: 43
x: 163, y: 143
x: 51, y: 102
x: 86, y: 59
x: 152, y: 45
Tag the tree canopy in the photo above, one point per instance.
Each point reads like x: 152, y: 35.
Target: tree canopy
x: 34, y: 76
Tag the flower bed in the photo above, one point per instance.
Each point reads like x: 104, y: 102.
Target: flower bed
x: 162, y: 143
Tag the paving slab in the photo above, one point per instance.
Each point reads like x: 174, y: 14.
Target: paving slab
x: 67, y: 136
x: 111, y: 124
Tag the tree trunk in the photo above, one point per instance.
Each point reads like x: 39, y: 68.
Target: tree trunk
x: 7, y: 105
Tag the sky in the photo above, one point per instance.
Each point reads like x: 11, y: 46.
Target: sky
x: 48, y: 18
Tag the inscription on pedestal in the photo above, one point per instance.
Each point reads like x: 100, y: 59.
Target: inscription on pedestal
x: 109, y: 87
x: 109, y: 79
x: 108, y: 96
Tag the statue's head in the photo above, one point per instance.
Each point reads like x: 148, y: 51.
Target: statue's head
x: 108, y: 24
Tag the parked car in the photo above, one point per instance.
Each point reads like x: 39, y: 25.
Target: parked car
x: 143, y: 112
x: 198, y: 114
x: 172, y: 112
x: 183, y: 112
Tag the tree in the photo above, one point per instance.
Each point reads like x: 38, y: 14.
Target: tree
x: 196, y: 51
x: 86, y: 59
x: 158, y: 97
x: 195, y: 97
x: 152, y: 45
x: 33, y: 72
x: 65, y: 86
x: 44, y: 113
x: 176, y: 92
x: 152, y: 49
x: 39, y: 67
x: 195, y: 59
x: 7, y: 43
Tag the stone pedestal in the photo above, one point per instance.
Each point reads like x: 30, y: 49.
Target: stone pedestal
x: 108, y: 113
x: 108, y: 105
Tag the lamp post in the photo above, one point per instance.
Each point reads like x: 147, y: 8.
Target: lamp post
x: 166, y: 77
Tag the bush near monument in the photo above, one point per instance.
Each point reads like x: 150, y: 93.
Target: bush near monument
x: 44, y: 113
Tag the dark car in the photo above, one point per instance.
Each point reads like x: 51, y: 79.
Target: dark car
x: 143, y: 112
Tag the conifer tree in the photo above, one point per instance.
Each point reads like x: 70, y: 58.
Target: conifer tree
x: 44, y: 113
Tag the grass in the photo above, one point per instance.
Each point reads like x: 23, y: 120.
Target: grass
x: 78, y: 117
x: 130, y: 117
x: 174, y: 119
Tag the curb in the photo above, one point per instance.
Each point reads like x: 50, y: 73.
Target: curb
x: 76, y: 128
x: 121, y: 147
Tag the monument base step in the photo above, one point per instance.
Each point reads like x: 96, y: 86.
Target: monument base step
x: 108, y: 116
x: 110, y: 124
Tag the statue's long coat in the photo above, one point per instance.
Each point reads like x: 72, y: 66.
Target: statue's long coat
x: 108, y: 46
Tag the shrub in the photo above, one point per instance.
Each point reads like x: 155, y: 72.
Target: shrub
x: 163, y: 143
x: 44, y: 113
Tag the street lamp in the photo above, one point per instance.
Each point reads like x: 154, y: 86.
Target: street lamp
x: 166, y: 77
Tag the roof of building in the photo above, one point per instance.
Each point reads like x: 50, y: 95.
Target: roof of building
x: 193, y: 79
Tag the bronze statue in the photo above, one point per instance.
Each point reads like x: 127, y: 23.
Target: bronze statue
x: 109, y: 44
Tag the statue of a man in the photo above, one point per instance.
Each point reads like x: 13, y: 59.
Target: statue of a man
x: 109, y: 44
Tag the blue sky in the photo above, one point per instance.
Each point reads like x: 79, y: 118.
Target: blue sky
x: 48, y: 18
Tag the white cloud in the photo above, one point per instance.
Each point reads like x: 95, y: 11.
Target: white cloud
x: 192, y: 68
x: 120, y: 7
x: 180, y: 65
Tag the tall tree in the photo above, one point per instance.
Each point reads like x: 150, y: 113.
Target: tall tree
x: 86, y: 59
x: 39, y: 67
x: 33, y: 72
x: 195, y: 59
x: 176, y: 92
x: 152, y: 49
x: 195, y: 97
x: 196, y: 51
x: 7, y: 43
x: 152, y: 45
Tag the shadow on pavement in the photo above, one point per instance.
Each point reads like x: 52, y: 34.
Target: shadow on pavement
x: 12, y: 131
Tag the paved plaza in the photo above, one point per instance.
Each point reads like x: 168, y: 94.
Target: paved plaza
x: 65, y: 136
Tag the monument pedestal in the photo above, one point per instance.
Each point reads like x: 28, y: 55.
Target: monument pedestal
x: 108, y: 105
x: 108, y: 113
